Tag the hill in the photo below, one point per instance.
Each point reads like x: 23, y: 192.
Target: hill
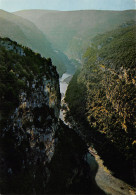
x: 102, y: 96
x: 27, y: 34
x: 72, y: 31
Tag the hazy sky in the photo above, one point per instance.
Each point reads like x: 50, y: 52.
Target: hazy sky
x: 14, y: 5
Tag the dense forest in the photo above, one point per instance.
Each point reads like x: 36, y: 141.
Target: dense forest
x: 102, y: 96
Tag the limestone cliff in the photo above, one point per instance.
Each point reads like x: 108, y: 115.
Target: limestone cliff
x: 30, y: 91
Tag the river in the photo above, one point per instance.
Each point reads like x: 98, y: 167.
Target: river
x: 63, y: 83
x: 63, y: 88
x: 103, y: 176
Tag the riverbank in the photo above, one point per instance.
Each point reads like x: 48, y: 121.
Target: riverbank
x: 103, y: 176
x: 106, y: 181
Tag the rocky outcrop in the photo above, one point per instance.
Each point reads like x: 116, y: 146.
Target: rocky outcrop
x: 28, y: 138
x: 7, y: 44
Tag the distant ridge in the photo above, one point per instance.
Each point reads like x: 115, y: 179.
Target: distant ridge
x: 72, y: 31
x: 28, y: 34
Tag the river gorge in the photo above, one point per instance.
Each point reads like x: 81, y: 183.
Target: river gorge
x: 100, y: 173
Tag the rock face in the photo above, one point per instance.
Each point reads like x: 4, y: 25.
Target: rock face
x: 28, y: 140
x: 11, y: 46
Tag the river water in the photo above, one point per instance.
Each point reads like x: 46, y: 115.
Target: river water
x: 63, y: 88
x: 63, y: 83
x: 103, y: 177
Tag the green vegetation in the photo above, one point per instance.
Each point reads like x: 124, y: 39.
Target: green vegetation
x: 76, y: 100
x: 107, y: 106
